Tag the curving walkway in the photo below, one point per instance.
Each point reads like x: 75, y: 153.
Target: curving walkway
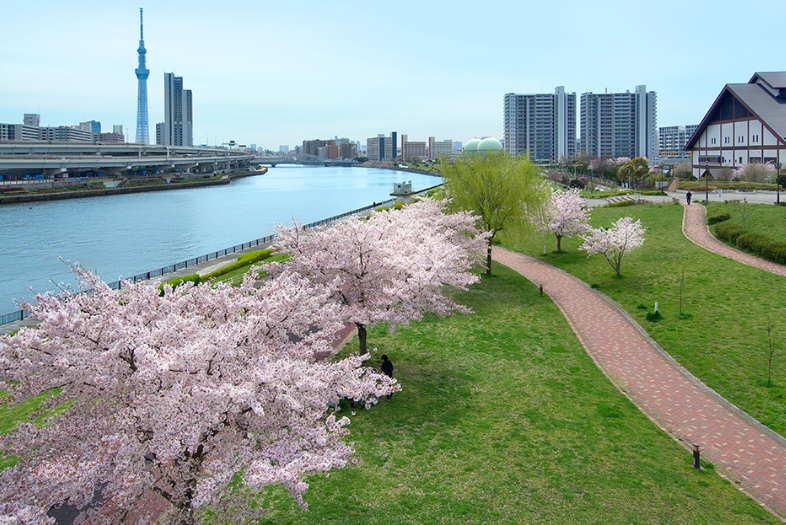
x: 739, y: 447
x: 694, y: 226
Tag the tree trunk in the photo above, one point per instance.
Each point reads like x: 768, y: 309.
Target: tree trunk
x: 559, y: 241
x: 488, y: 260
x: 362, y: 338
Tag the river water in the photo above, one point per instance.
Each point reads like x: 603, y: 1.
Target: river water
x: 121, y: 236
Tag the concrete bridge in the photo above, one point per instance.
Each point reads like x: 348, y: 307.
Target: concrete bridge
x: 304, y: 160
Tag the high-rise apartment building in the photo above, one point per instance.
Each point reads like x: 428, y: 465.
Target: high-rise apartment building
x: 672, y: 139
x: 542, y: 126
x: 178, y: 113
x: 620, y: 124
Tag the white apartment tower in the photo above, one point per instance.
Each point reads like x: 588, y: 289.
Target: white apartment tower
x: 620, y: 124
x: 542, y: 126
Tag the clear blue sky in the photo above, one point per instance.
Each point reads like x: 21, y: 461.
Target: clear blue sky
x: 273, y: 73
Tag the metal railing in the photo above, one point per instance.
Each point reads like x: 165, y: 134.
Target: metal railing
x: 20, y: 315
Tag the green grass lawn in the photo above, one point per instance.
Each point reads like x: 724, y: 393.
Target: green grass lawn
x: 765, y: 219
x: 503, y: 418
x: 724, y: 343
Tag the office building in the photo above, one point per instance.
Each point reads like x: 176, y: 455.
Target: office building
x: 311, y: 147
x: 620, y: 124
x: 66, y: 134
x: 178, y: 113
x: 382, y: 148
x: 542, y: 126
x: 142, y: 132
x: 439, y: 148
x: 415, y: 150
x: 91, y: 125
x: 32, y: 119
x: 746, y: 124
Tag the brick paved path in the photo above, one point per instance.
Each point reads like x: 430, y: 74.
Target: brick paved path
x: 694, y: 226
x: 739, y: 447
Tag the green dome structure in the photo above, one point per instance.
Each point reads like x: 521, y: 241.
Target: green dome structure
x: 489, y: 144
x: 471, y: 146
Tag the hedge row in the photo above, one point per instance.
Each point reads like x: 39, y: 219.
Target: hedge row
x: 243, y: 260
x: 621, y: 204
x: 727, y: 231
x: 755, y: 243
x: 718, y: 216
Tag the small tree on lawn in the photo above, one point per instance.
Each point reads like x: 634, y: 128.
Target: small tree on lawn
x: 183, y: 394
x: 564, y: 214
x: 623, y: 237
x: 392, y: 266
x: 497, y: 188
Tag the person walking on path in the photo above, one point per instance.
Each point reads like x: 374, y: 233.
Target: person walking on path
x: 387, y: 369
x: 688, y: 196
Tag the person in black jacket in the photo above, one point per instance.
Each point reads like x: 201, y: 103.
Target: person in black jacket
x: 387, y: 369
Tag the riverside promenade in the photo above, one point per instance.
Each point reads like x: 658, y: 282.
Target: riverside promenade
x: 747, y: 453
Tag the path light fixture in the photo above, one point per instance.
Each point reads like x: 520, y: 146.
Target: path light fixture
x: 696, y: 457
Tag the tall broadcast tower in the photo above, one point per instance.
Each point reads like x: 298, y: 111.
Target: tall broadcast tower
x: 142, y: 136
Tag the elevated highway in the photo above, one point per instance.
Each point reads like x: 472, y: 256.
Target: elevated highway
x: 25, y: 160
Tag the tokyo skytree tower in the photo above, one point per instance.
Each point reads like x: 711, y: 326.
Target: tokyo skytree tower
x: 142, y: 136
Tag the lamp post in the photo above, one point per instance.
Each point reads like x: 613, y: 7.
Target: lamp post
x: 778, y: 182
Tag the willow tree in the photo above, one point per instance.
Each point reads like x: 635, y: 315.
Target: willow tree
x: 496, y: 187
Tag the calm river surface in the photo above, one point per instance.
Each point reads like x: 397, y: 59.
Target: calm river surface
x: 121, y: 236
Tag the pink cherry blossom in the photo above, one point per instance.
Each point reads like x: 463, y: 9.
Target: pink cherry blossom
x: 624, y: 236
x: 391, y: 266
x: 178, y: 393
x: 564, y: 214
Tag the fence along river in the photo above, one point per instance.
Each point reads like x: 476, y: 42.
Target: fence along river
x: 124, y: 236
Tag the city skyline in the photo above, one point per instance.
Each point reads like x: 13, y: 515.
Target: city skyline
x: 274, y: 76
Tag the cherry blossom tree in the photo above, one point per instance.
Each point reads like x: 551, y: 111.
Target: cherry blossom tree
x: 563, y: 214
x: 392, y: 266
x: 755, y: 172
x: 624, y: 236
x: 178, y: 394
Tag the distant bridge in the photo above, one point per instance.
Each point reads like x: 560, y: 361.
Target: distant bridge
x: 306, y: 160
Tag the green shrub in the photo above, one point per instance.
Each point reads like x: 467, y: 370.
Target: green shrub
x: 256, y: 256
x: 621, y: 204
x: 752, y: 242
x: 656, y: 193
x: 243, y: 260
x: 727, y: 231
x: 718, y: 216
x: 775, y: 251
x: 654, y: 316
x: 177, y: 281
